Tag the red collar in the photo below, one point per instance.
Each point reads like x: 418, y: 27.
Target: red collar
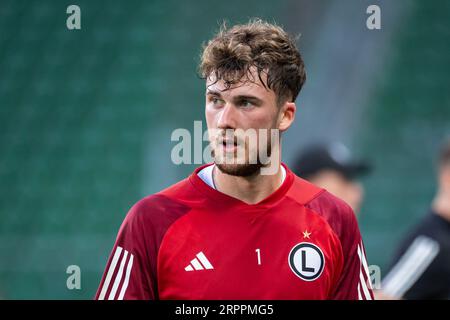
x: 225, y: 200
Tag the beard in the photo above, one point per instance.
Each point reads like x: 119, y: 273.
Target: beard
x: 246, y: 169
x: 240, y: 170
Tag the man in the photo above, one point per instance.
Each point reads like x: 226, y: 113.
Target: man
x: 421, y: 268
x: 232, y: 230
x: 331, y: 167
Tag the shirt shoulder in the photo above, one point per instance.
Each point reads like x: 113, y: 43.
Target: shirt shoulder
x: 354, y: 280
x: 338, y: 214
x: 433, y: 226
x: 161, y: 209
x: 147, y: 221
x: 425, y: 253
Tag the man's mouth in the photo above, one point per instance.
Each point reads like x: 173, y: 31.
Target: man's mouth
x: 229, y: 142
x: 228, y: 145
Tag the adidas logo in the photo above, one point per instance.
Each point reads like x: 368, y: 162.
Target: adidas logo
x: 199, y: 263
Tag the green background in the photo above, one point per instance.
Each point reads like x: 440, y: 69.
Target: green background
x: 86, y: 117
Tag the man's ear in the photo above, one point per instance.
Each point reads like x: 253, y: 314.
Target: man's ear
x: 286, y: 116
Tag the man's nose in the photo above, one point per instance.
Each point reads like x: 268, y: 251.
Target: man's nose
x: 227, y: 117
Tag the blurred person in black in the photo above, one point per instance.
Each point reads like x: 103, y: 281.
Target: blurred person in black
x: 421, y: 266
x: 331, y: 166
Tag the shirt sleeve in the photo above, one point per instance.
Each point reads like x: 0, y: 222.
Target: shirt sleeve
x: 411, y: 276
x: 130, y: 271
x: 354, y: 282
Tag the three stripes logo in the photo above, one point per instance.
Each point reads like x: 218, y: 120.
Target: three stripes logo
x: 121, y: 276
x: 200, y: 262
x: 365, y: 283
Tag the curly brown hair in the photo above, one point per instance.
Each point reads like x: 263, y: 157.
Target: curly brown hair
x: 231, y: 54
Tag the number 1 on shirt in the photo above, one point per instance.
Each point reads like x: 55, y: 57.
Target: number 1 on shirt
x: 258, y: 253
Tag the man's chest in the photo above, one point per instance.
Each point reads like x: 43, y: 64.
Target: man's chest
x: 247, y: 257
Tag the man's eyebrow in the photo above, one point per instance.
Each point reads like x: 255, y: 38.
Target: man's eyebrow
x: 236, y: 98
x: 255, y: 100
x: 212, y: 92
x: 246, y: 97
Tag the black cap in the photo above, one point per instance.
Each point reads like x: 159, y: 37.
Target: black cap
x: 334, y: 156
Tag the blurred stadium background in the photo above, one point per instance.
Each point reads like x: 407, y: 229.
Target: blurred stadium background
x: 86, y: 116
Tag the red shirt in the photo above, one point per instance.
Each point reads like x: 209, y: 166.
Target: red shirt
x: 191, y: 241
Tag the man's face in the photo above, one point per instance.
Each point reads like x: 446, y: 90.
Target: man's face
x: 246, y: 105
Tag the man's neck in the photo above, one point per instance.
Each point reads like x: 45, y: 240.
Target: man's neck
x: 250, y: 190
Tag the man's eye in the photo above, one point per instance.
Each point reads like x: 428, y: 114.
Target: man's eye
x: 246, y: 104
x: 216, y: 101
